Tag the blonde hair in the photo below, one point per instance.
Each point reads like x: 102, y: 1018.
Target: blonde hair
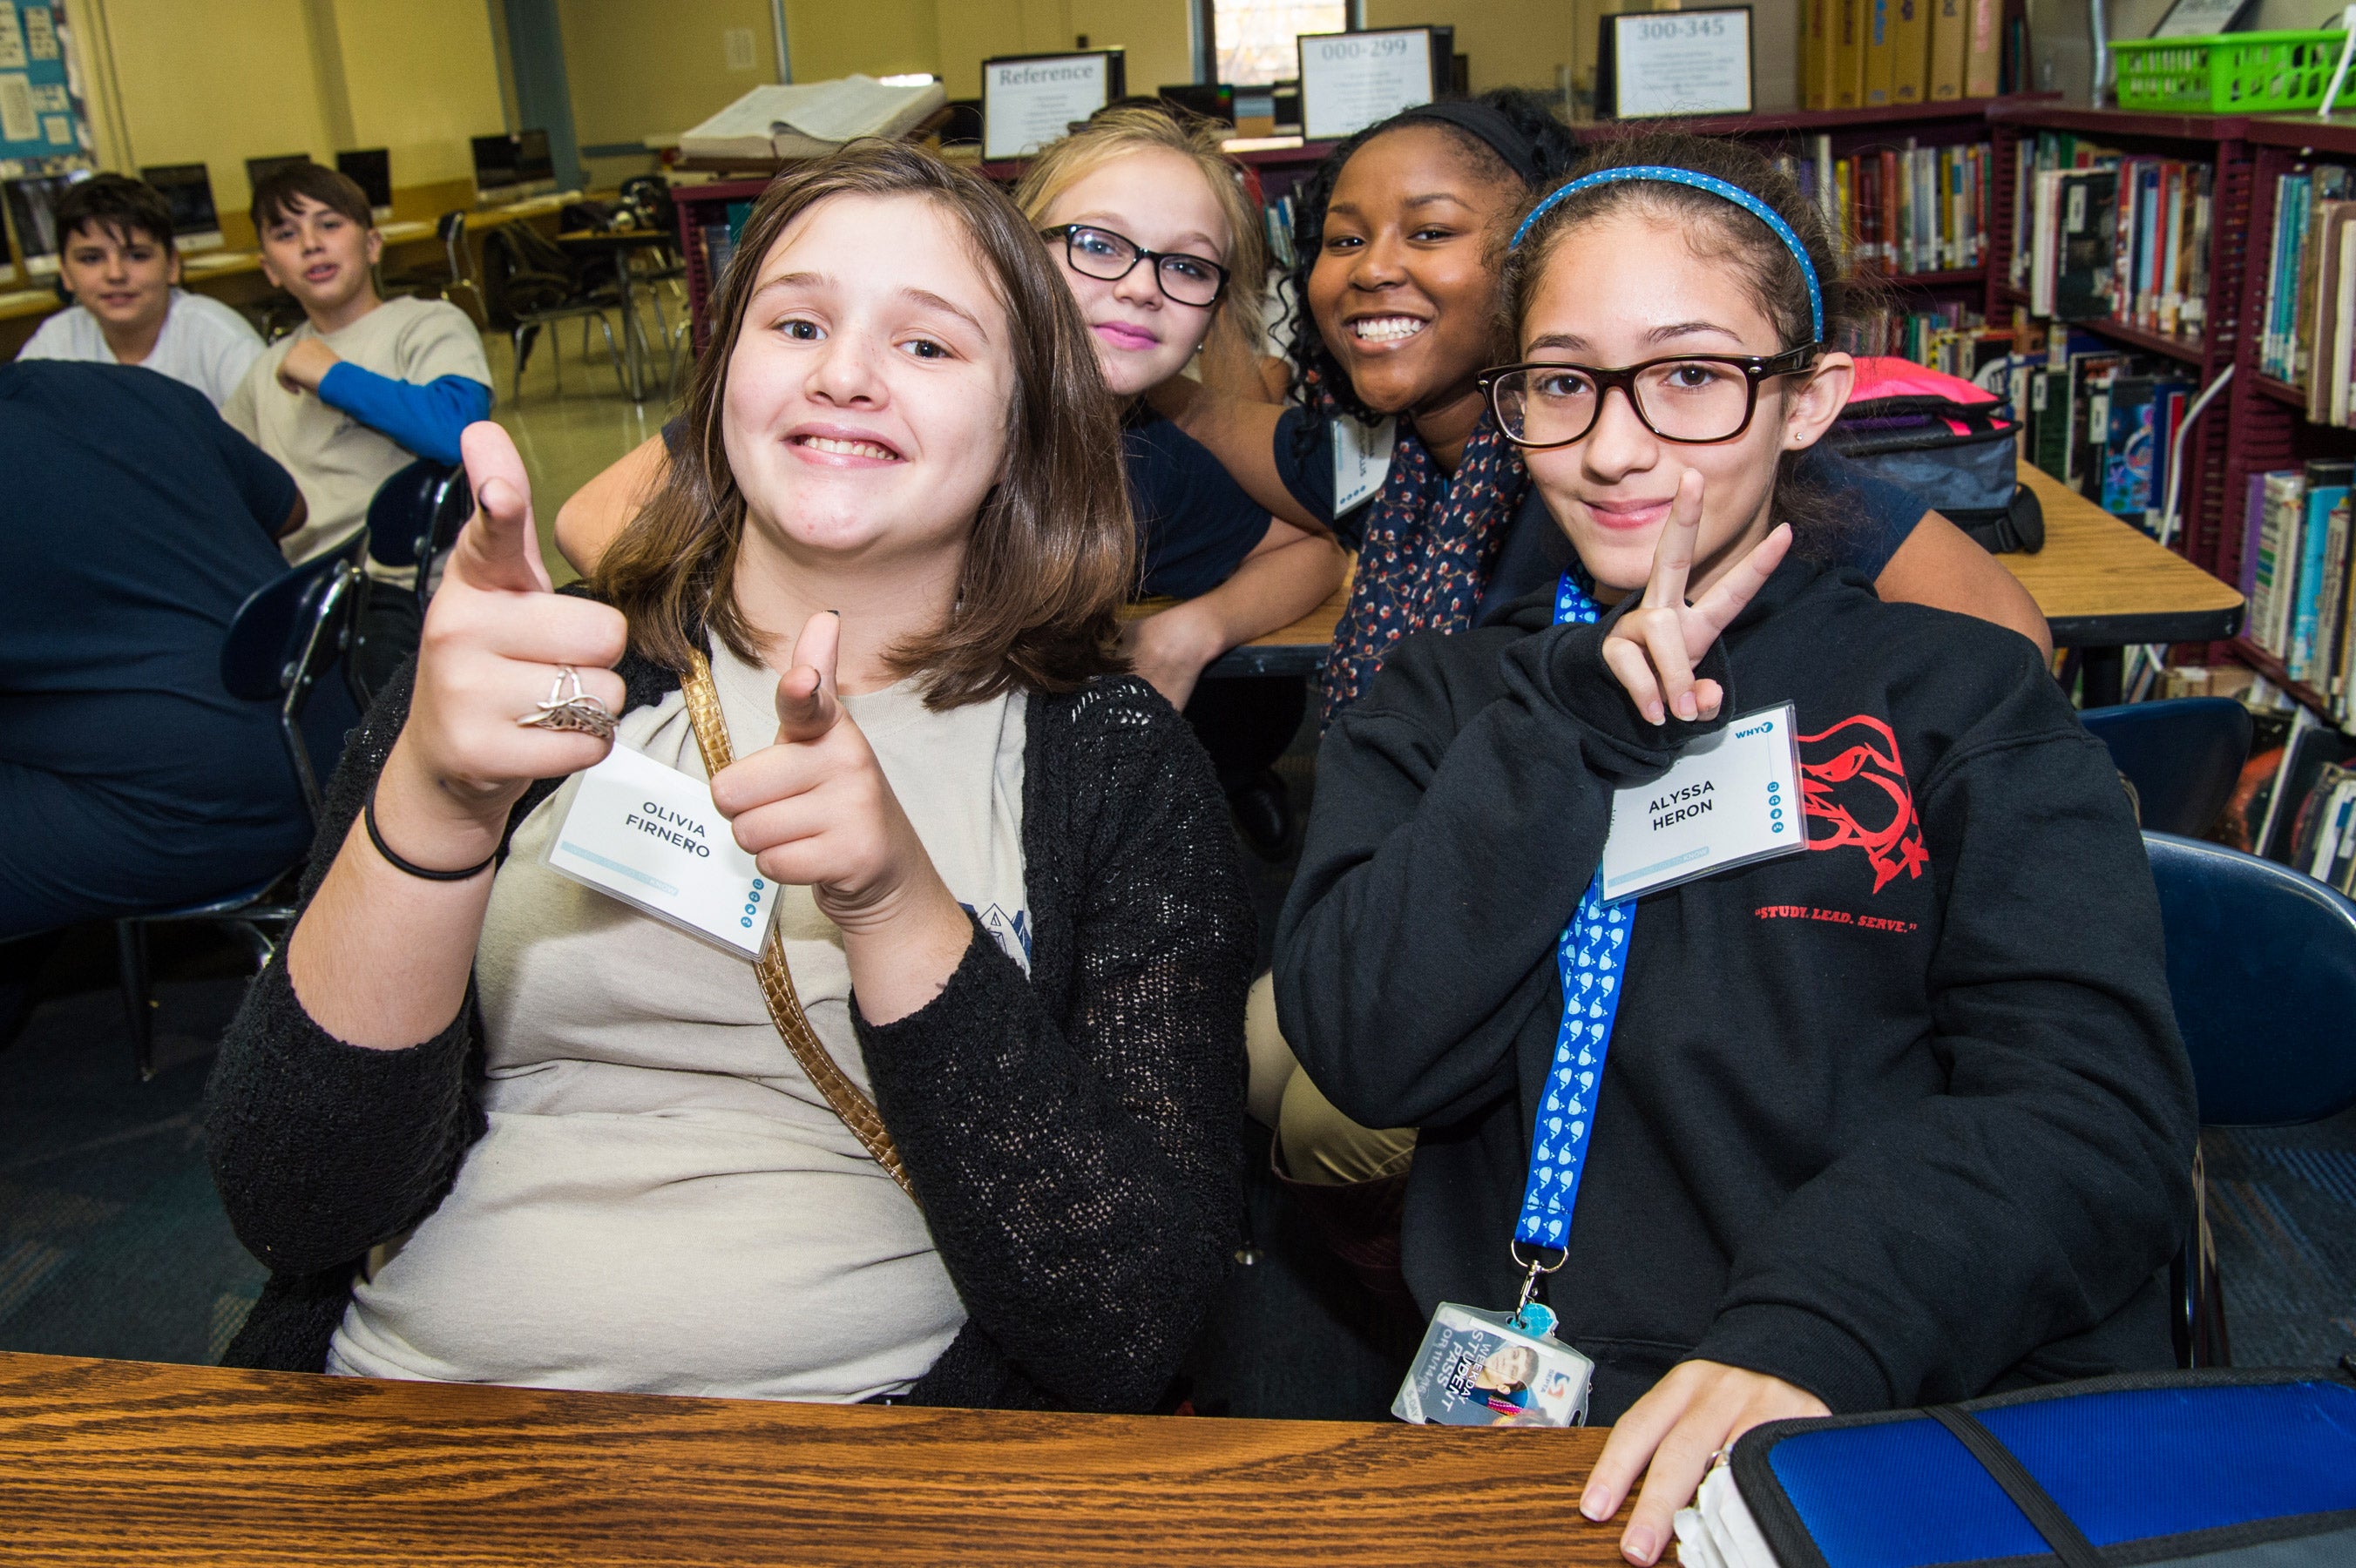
x: 1116, y: 133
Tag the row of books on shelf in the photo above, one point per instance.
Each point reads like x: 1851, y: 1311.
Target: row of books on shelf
x: 2307, y: 335
x: 1857, y: 54
x: 2296, y: 572
x: 2103, y: 421
x: 1277, y: 216
x: 1901, y: 209
x: 2097, y: 233
x: 2323, y: 835
x: 1951, y: 337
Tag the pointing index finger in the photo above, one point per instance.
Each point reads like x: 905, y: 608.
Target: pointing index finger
x: 1673, y: 553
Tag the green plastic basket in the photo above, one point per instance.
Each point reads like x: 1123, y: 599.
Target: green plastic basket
x: 2232, y: 73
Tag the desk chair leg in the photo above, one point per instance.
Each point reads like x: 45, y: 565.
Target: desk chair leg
x: 131, y: 959
x: 2210, y: 1345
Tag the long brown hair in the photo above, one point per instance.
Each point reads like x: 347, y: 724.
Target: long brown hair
x: 1050, y: 557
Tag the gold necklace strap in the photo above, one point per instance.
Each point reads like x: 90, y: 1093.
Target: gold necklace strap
x: 857, y: 1111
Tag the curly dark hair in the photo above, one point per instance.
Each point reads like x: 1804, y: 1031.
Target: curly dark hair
x: 1315, y: 368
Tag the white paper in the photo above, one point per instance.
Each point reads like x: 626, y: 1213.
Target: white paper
x: 12, y: 40
x: 831, y: 112
x: 1732, y: 798
x: 651, y: 836
x: 17, y: 121
x: 1692, y: 62
x: 1362, y: 461
x: 41, y: 33
x: 1349, y: 81
x: 1027, y: 103
x: 2198, y: 18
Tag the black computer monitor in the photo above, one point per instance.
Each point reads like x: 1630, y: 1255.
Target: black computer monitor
x: 187, y: 190
x: 260, y: 169
x: 533, y: 161
x: 515, y: 163
x: 32, y: 204
x: 370, y: 168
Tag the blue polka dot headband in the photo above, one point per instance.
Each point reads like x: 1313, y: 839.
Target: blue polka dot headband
x: 1660, y: 174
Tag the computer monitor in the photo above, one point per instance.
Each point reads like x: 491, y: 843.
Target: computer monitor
x: 187, y: 190
x: 512, y: 165
x: 260, y: 169
x: 32, y: 204
x: 370, y: 168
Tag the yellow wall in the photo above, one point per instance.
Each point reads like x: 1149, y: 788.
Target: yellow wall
x: 423, y: 80
x: 952, y: 37
x: 835, y: 38
x: 638, y: 70
x: 218, y: 82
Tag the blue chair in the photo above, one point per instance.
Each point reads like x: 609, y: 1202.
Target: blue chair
x: 2261, y: 968
x: 282, y: 646
x: 2184, y: 756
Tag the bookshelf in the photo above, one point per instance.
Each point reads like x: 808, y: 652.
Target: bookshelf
x: 2211, y: 537
x: 2267, y: 417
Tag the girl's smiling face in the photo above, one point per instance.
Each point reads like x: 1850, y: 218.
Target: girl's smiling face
x: 1623, y: 289
x: 866, y: 403
x: 1403, y: 290
x: 1156, y: 199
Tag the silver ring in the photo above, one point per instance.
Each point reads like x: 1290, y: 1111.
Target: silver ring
x: 569, y: 708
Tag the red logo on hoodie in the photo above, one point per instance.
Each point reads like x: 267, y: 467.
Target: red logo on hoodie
x: 1853, y: 790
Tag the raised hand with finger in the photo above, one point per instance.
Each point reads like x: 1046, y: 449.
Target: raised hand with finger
x: 1653, y: 648
x: 514, y: 682
x: 815, y: 810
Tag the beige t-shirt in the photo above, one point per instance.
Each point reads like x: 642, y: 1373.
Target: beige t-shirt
x: 663, y: 1203
x: 338, y: 461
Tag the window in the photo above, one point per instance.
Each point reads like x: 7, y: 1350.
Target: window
x: 1254, y: 36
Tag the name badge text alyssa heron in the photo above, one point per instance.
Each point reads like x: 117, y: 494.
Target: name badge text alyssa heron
x: 1731, y: 798
x: 651, y: 836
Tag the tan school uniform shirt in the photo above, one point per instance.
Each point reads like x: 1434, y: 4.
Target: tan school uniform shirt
x: 338, y: 461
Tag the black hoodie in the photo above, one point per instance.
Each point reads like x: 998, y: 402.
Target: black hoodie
x: 1899, y: 1120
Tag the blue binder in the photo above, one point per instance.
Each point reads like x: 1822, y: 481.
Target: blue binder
x: 2224, y: 1468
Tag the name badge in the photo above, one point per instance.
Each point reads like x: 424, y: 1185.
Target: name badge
x: 1731, y: 798
x: 651, y: 836
x: 1362, y: 461
x: 1493, y: 1369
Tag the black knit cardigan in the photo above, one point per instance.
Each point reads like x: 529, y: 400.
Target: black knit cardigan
x: 1074, y: 1138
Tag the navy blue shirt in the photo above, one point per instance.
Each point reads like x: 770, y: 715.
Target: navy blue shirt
x: 1305, y: 463
x: 133, y: 524
x: 1195, y: 523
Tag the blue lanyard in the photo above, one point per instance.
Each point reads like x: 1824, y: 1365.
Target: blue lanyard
x: 1592, y: 959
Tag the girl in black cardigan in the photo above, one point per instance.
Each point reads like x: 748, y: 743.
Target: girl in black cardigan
x: 1897, y: 1120
x: 899, y: 420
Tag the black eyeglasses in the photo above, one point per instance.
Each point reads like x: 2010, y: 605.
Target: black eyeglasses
x: 1100, y: 253
x: 1695, y: 399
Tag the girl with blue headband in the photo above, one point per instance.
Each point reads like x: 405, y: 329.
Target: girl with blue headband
x: 1773, y: 973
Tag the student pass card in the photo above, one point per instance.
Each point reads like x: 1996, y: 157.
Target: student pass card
x: 651, y: 836
x: 1732, y: 797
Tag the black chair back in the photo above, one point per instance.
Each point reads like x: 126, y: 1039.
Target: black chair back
x: 2184, y: 756
x: 285, y: 638
x: 415, y: 516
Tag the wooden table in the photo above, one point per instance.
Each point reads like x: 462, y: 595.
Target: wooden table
x: 117, y: 1461
x: 2101, y: 585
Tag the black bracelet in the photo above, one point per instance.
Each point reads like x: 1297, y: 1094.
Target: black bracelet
x: 368, y: 815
